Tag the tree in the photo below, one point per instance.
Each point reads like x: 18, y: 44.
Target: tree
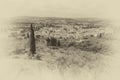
x: 32, y: 41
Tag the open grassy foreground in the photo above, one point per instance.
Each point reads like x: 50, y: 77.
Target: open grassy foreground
x: 80, y: 50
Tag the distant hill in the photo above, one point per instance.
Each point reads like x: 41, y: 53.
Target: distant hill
x: 27, y: 20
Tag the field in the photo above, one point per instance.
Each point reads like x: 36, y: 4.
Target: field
x: 78, y: 43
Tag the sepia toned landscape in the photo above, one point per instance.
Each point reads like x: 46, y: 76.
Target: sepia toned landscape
x: 59, y: 48
x: 61, y: 43
x: 59, y: 40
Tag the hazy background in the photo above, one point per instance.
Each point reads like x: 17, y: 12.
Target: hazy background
x: 60, y: 8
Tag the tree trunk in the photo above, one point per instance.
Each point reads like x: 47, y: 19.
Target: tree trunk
x: 32, y: 41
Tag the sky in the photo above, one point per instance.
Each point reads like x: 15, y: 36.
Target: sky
x: 60, y: 8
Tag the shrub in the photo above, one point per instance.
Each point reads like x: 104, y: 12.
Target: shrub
x: 91, y: 45
x: 53, y: 42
